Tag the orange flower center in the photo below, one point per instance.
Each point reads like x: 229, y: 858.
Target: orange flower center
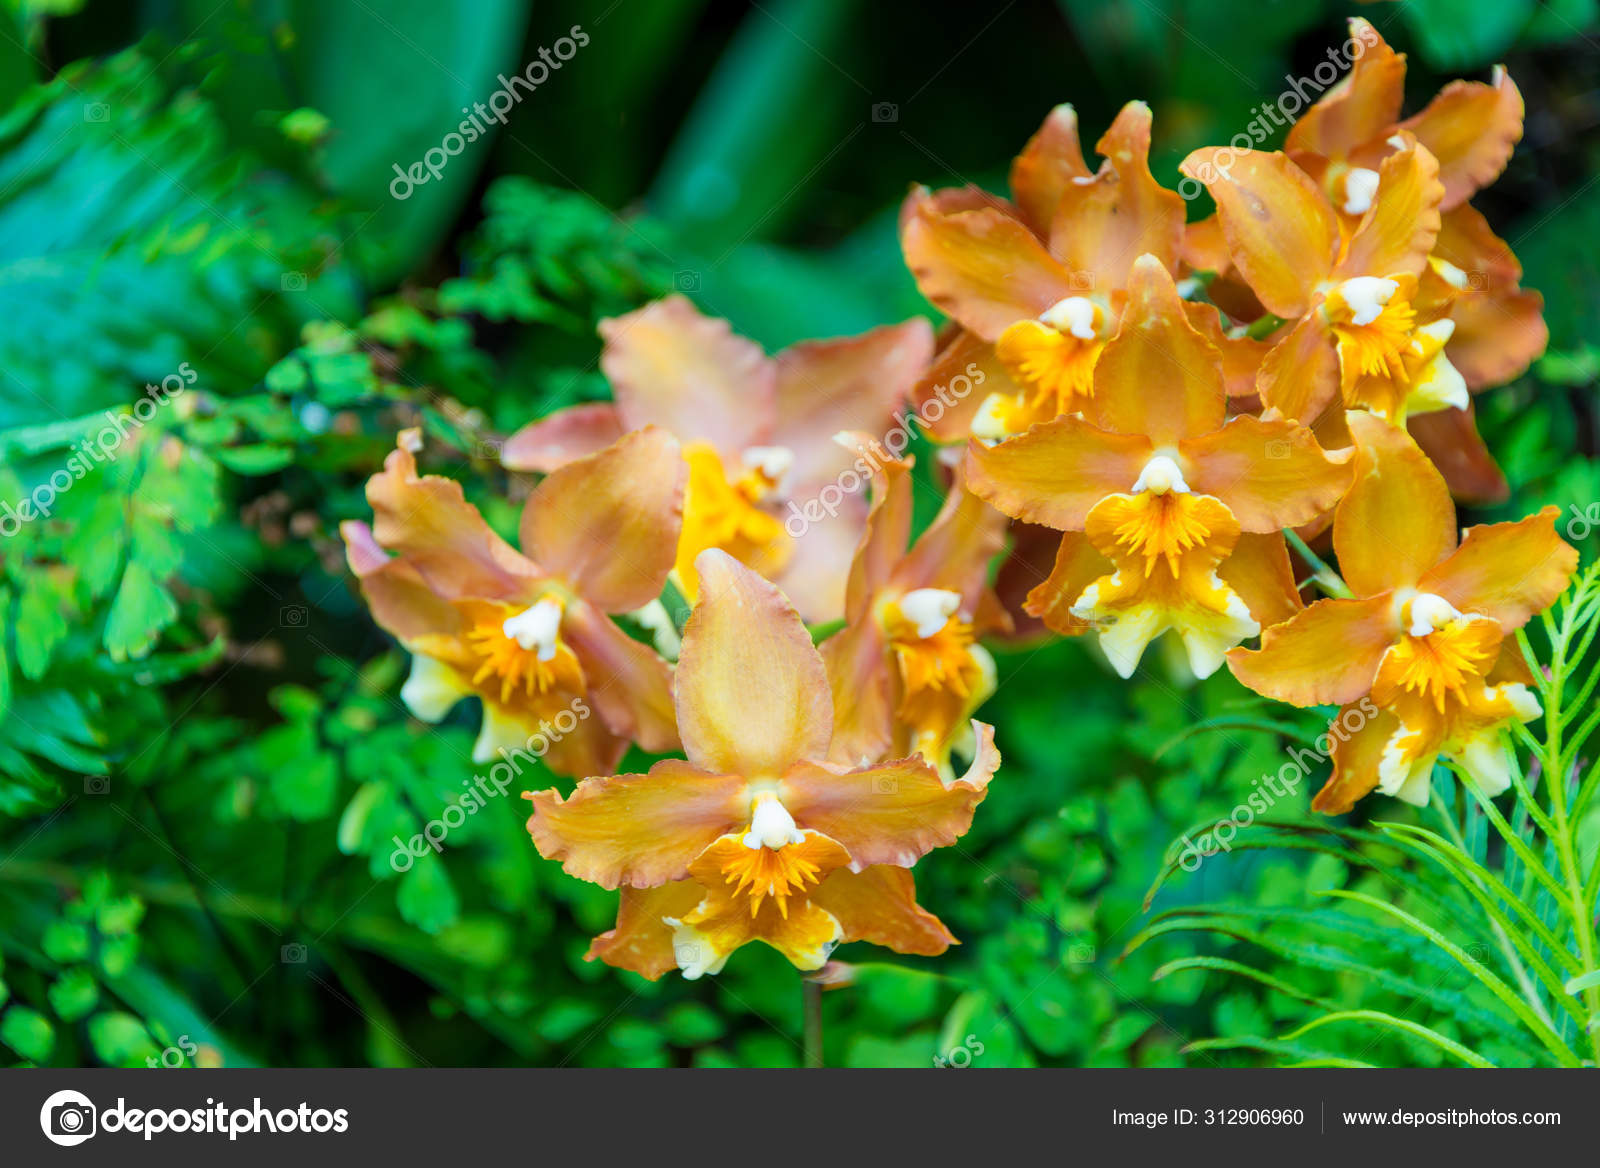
x: 1372, y: 319
x: 502, y: 660
x: 1441, y: 651
x: 941, y: 676
x: 1157, y: 526
x: 776, y: 872
x: 1052, y: 360
x: 729, y: 513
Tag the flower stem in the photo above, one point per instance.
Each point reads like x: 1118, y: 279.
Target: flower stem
x: 811, y: 995
x: 1327, y: 579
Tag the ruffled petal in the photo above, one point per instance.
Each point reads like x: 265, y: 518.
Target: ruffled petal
x: 1507, y: 571
x: 1471, y: 128
x: 1281, y: 230
x: 1259, y: 570
x: 642, y: 939
x: 1364, y: 105
x: 852, y: 383
x: 567, y: 434
x: 1396, y: 521
x: 1356, y: 758
x: 982, y: 267
x: 399, y: 598
x: 640, y: 830
x: 894, y: 812
x: 954, y: 552
x: 860, y: 676
x: 752, y: 695
x: 963, y: 374
x: 1299, y: 377
x: 1158, y: 376
x: 1102, y: 225
x: 879, y: 906
x: 1046, y: 168
x: 1241, y: 355
x: 1399, y: 229
x: 1271, y: 474
x: 1452, y: 443
x: 690, y: 374
x: 628, y: 682
x: 1078, y: 564
x: 1327, y: 654
x: 427, y: 520
x: 1057, y: 471
x: 608, y: 523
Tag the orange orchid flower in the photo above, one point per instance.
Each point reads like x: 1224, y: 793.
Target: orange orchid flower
x: 1038, y: 286
x: 757, y: 433
x: 1350, y: 287
x: 1425, y: 637
x: 1343, y: 139
x: 1166, y: 492
x: 757, y: 837
x: 906, y: 669
x: 528, y: 635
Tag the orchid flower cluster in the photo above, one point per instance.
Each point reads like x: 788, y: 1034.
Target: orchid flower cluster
x: 1182, y: 409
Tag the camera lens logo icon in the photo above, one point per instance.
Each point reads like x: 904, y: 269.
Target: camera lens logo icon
x: 67, y: 1118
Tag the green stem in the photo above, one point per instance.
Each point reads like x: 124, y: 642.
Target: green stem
x: 1566, y: 847
x: 1327, y: 579
x: 811, y: 994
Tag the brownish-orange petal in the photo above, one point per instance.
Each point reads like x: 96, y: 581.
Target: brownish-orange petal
x: 629, y: 683
x: 1399, y: 229
x: 965, y: 371
x: 399, y: 598
x: 1271, y: 474
x: 641, y: 830
x: 1259, y: 570
x: 563, y: 436
x: 1452, y: 443
x: 1056, y: 471
x: 1299, y: 377
x: 642, y: 940
x: 1046, y: 167
x: 1328, y: 653
x: 428, y: 520
x: 894, y: 812
x: 1158, y: 376
x: 879, y: 906
x: 1507, y: 571
x: 1471, y: 128
x: 608, y: 523
x: 850, y: 383
x: 1355, y: 761
x: 1281, y: 230
x: 1101, y: 226
x: 691, y: 374
x: 1396, y: 521
x: 859, y: 675
x: 955, y: 550
x: 1078, y: 564
x: 752, y: 696
x: 983, y: 268
x: 1241, y: 356
x: 1362, y: 106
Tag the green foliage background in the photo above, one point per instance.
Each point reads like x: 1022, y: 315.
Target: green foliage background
x: 203, y: 760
